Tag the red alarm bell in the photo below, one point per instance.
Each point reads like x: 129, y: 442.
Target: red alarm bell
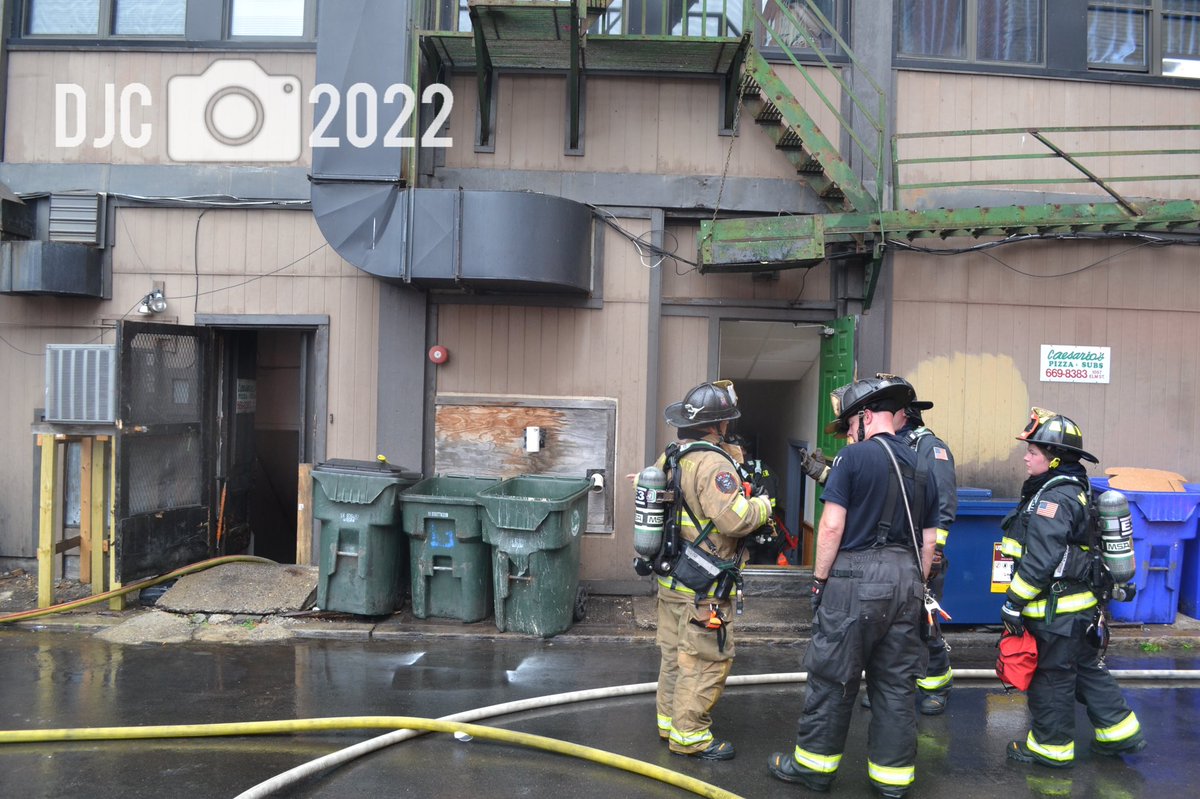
x: 438, y: 355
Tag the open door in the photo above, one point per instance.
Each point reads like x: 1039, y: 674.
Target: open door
x: 838, y: 365
x: 163, y: 495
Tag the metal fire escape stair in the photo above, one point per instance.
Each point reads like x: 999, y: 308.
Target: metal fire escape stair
x: 774, y: 107
x: 861, y: 228
x: 564, y: 36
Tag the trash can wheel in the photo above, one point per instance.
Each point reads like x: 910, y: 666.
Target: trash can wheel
x: 581, y: 604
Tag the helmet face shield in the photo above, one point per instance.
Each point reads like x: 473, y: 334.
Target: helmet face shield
x: 1037, y: 418
x: 1055, y: 433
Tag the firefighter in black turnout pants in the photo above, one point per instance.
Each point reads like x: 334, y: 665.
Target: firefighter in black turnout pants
x: 933, y: 454
x: 695, y: 636
x: 867, y: 595
x: 1051, y: 596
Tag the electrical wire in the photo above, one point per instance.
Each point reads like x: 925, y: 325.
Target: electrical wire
x: 644, y: 248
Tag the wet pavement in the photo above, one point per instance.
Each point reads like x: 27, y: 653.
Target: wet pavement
x: 80, y: 680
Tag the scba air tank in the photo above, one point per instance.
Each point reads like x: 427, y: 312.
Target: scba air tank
x: 1116, y: 535
x: 649, y: 511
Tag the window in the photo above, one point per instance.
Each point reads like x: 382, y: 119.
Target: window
x: 1153, y: 36
x: 149, y: 17
x: 267, y: 18
x: 168, y: 19
x: 999, y: 31
x: 792, y: 23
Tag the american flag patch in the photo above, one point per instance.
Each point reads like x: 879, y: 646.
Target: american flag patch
x: 940, y: 454
x: 1047, y: 509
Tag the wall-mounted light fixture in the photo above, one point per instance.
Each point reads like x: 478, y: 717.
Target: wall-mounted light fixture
x: 153, y: 303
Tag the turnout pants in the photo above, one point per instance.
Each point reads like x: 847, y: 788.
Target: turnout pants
x: 938, y: 676
x: 1069, y: 670
x: 693, y: 669
x: 868, y: 620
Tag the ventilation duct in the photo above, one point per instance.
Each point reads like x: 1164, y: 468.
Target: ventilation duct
x: 433, y: 238
x: 81, y: 383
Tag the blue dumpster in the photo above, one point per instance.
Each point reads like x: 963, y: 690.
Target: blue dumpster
x: 1189, y: 581
x: 1162, y: 522
x: 969, y: 596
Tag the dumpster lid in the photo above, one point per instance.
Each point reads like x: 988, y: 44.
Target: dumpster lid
x: 375, y: 468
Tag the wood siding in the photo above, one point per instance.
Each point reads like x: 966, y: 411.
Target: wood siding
x: 215, y: 261
x: 657, y: 126
x: 968, y: 332
x: 550, y: 352
x: 30, y: 134
x: 968, y: 329
x: 946, y: 102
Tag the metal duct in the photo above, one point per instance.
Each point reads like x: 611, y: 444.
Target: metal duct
x: 434, y: 238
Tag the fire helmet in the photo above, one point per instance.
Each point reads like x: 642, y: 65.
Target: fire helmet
x: 707, y: 403
x: 913, y: 411
x: 1055, y: 433
x: 888, y: 394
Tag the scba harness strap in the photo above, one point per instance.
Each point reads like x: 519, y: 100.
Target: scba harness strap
x: 694, y: 567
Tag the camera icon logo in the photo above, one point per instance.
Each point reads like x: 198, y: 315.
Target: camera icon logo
x: 234, y: 111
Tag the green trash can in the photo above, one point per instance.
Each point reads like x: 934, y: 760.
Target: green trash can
x: 360, y: 563
x: 534, y: 525
x: 449, y: 562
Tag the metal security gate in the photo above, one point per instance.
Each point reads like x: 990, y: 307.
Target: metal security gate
x: 163, y: 495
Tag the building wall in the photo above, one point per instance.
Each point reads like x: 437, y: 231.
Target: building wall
x: 968, y: 328
x: 213, y: 261
x: 33, y: 75
x: 653, y: 125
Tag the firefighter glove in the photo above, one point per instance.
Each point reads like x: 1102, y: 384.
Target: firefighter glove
x: 818, y: 590
x: 813, y: 464
x: 1010, y: 614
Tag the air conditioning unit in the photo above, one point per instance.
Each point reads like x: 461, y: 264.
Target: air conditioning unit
x: 81, y: 383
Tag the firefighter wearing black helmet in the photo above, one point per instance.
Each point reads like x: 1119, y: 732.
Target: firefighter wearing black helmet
x: 868, y: 586
x: 1051, y: 596
x: 933, y: 454
x: 694, y: 634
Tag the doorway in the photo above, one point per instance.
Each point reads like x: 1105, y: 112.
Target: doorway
x: 269, y: 402
x: 775, y: 367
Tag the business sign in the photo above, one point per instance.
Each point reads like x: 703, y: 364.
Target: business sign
x: 1067, y: 363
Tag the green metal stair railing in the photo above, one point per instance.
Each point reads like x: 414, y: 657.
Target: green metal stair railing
x: 793, y: 128
x: 768, y: 244
x: 1078, y: 172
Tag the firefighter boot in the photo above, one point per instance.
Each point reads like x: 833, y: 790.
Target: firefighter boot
x: 784, y: 767
x: 1018, y: 751
x: 716, y: 750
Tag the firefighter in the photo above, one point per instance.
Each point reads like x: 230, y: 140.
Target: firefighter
x: 1051, y: 596
x: 933, y: 454
x: 694, y: 628
x: 874, y: 551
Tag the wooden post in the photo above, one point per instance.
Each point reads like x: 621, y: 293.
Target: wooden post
x: 47, y: 520
x: 304, y: 518
x: 85, y: 509
x: 97, y: 491
x: 117, y: 602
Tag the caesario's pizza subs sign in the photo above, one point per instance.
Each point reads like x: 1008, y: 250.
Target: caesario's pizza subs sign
x: 1070, y: 363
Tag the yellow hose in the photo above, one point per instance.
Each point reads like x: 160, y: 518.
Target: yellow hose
x: 25, y: 615
x: 371, y: 722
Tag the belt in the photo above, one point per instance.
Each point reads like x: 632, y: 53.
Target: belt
x: 846, y: 573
